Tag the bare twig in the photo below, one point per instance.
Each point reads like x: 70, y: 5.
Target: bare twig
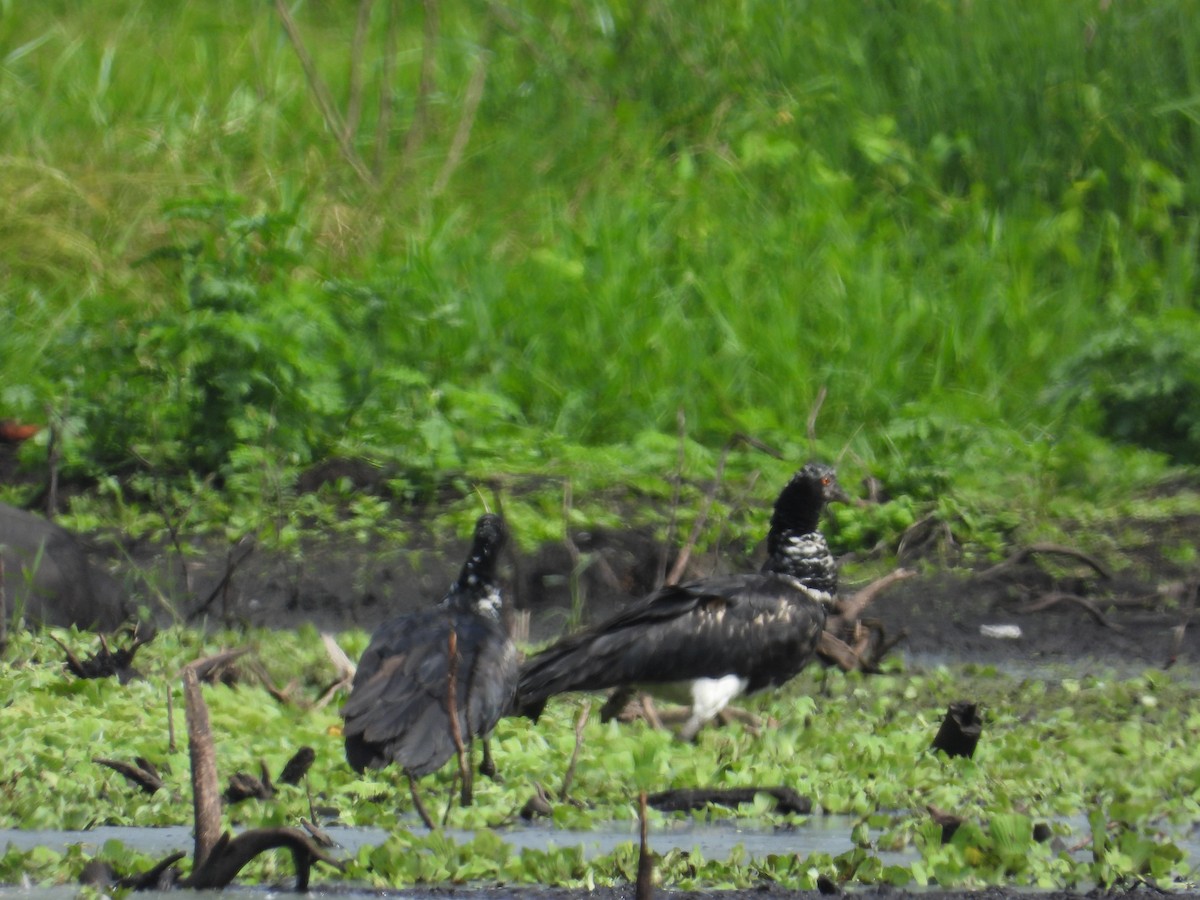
x: 318, y: 834
x: 569, y: 775
x: 1024, y: 555
x: 1053, y: 598
x: 850, y: 608
x: 466, y: 121
x: 3, y: 613
x: 354, y: 102
x: 1177, y: 633
x: 232, y: 563
x: 140, y: 772
x: 660, y: 576
x: 320, y: 92
x: 170, y: 720
x: 386, y: 79
x: 685, y: 554
x: 53, y: 458
x: 578, y: 586
x: 210, y: 667
x: 425, y: 88
x: 342, y: 664
x: 811, y: 423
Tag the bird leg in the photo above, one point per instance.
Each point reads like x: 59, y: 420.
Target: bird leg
x: 614, y: 707
x: 487, y: 765
x: 418, y: 805
x: 464, y: 758
x: 752, y: 722
x: 651, y: 714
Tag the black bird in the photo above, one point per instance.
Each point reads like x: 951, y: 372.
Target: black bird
x: 399, y: 706
x: 718, y: 637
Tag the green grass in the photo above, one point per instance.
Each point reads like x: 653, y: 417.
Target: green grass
x: 930, y: 211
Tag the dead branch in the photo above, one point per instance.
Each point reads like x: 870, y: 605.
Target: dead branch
x: 318, y: 834
x: 537, y: 805
x: 297, y: 767
x: 159, y: 878
x: 1053, y: 598
x: 205, y: 798
x: 215, y: 668
x: 835, y: 650
x: 232, y: 564
x: 106, y: 662
x: 686, y: 799
x: 645, y: 869
x: 960, y: 730
x: 140, y: 773
x: 321, y: 94
x: 947, y: 820
x: 1025, y: 554
x: 850, y: 608
x: 341, y: 662
x: 174, y: 533
x: 243, y: 786
x: 231, y: 854
x: 218, y: 856
x: 921, y: 532
x: 343, y: 665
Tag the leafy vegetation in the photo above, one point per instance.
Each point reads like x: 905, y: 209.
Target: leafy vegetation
x: 545, y: 232
x: 1109, y: 792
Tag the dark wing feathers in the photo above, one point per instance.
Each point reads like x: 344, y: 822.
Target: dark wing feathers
x: 761, y: 627
x: 398, y: 709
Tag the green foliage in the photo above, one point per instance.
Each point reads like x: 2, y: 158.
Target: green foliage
x: 241, y: 356
x: 921, y: 209
x: 1142, y: 382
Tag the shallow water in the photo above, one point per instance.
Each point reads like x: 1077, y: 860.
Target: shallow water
x: 719, y: 840
x: 818, y: 834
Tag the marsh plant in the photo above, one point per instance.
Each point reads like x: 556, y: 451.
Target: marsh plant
x: 1089, y: 765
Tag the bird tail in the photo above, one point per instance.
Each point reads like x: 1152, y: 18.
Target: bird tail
x: 564, y: 667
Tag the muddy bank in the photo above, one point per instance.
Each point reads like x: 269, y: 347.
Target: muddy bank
x: 1129, y: 609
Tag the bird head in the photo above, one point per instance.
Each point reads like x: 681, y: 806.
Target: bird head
x: 489, y: 540
x: 799, y: 505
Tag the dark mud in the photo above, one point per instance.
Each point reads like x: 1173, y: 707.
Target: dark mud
x: 1127, y: 609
